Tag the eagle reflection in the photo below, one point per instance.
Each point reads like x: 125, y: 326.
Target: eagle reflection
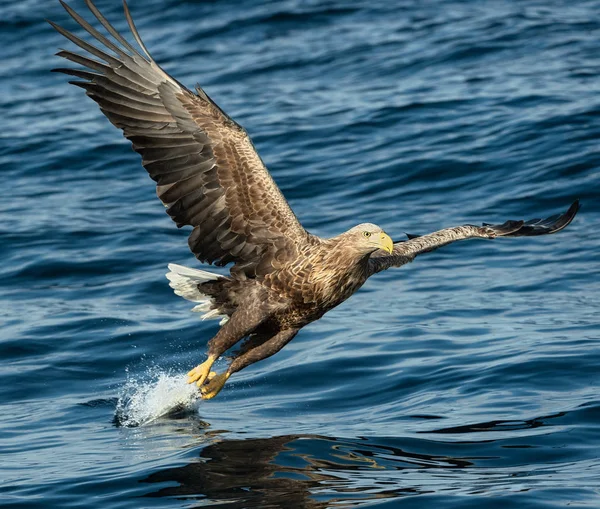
x: 303, y: 471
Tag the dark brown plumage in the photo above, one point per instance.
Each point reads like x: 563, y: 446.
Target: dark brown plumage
x: 210, y: 177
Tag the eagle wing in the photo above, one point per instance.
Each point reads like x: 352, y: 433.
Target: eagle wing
x: 406, y: 251
x: 207, y: 171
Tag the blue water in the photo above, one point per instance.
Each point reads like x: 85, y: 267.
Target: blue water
x: 468, y: 379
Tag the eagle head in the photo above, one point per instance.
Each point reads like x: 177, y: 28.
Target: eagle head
x: 368, y: 238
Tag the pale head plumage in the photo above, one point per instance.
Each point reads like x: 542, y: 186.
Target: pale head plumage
x: 367, y: 238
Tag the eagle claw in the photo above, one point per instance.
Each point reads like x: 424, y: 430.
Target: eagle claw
x: 201, y: 372
x: 211, y: 388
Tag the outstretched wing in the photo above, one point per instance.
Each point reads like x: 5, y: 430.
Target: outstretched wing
x: 207, y: 171
x: 406, y: 251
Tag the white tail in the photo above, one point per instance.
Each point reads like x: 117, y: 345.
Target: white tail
x: 185, y: 281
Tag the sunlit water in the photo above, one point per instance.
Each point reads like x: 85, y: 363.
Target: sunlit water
x: 469, y: 379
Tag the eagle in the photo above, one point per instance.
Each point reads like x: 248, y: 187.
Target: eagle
x: 209, y: 176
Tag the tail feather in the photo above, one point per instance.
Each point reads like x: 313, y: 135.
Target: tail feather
x: 203, y: 306
x: 186, y: 283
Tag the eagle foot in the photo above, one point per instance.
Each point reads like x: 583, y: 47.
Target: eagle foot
x: 211, y: 388
x: 201, y: 372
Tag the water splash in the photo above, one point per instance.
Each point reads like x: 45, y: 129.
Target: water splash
x: 157, y: 394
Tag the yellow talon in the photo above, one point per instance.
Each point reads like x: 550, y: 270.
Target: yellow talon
x: 201, y: 372
x: 209, y: 377
x: 214, y: 386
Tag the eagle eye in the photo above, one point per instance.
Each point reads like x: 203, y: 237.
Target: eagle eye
x: 367, y: 234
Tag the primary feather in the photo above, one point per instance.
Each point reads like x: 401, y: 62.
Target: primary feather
x: 207, y: 171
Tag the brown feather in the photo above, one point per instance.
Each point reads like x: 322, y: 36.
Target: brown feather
x: 406, y: 251
x: 182, y: 138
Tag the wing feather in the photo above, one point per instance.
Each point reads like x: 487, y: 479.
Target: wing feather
x: 406, y: 251
x: 207, y: 171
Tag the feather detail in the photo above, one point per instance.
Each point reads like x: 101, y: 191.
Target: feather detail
x: 204, y: 164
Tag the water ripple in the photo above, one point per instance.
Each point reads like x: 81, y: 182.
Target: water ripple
x: 467, y: 379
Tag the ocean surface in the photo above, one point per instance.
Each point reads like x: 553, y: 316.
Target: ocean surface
x: 467, y: 379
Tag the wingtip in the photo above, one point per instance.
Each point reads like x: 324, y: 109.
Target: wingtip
x: 65, y: 6
x: 81, y: 84
x: 571, y: 213
x: 134, y: 31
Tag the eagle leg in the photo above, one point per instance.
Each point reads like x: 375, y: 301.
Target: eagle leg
x: 267, y: 348
x: 262, y: 351
x: 242, y: 322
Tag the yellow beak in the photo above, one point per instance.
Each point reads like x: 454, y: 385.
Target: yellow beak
x: 386, y: 243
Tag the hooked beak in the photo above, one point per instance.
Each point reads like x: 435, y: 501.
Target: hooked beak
x: 386, y: 243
